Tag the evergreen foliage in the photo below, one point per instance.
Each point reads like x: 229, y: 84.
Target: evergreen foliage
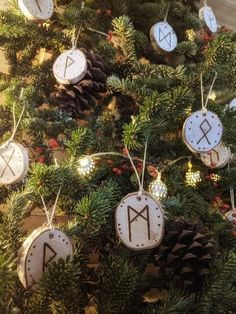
x: 149, y: 96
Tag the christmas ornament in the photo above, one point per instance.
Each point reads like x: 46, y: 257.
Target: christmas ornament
x: 86, y: 165
x: 202, y: 131
x: 214, y: 177
x: 41, y: 248
x: 14, y: 163
x: 86, y: 94
x: 158, y: 188
x: 70, y: 67
x: 36, y: 10
x: 232, y: 104
x: 206, y: 14
x: 163, y: 37
x: 139, y: 221
x: 191, y: 177
x: 185, y: 255
x: 231, y: 216
x: 218, y: 157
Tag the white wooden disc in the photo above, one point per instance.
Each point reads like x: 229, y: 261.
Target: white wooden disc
x: 40, y: 249
x: 207, y: 15
x: 163, y: 35
x: 231, y: 215
x: 36, y: 10
x: 232, y: 104
x: 70, y: 67
x: 140, y: 221
x: 14, y: 163
x: 202, y: 131
x: 217, y: 158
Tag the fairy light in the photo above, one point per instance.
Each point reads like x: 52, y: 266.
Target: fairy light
x: 158, y: 188
x: 192, y: 177
x: 86, y: 165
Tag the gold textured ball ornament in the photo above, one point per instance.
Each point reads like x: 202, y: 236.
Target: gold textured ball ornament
x: 192, y: 177
x: 86, y: 166
x: 158, y: 188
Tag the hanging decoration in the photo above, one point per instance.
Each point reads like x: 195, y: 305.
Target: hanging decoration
x: 158, y: 188
x: 217, y: 158
x: 163, y: 36
x: 37, y: 10
x: 44, y: 246
x: 232, y: 104
x: 192, y: 177
x: 139, y: 217
x: 202, y: 130
x: 207, y: 15
x: 71, y: 66
x: 14, y: 159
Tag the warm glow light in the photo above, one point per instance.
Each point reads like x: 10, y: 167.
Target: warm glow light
x: 192, y: 177
x: 158, y: 188
x: 86, y: 165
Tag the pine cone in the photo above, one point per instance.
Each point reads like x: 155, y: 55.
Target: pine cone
x: 86, y: 94
x: 185, y: 255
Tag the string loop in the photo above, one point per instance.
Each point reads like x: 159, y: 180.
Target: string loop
x: 50, y: 216
x: 167, y: 12
x: 17, y: 123
x: 140, y: 182
x: 204, y: 105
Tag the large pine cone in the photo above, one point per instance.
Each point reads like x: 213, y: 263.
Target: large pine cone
x: 185, y: 255
x: 85, y: 95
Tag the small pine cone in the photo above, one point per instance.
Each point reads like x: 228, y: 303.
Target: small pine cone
x: 83, y: 96
x: 185, y: 255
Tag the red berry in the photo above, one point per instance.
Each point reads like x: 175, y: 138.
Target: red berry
x: 99, y: 12
x: 109, y: 38
x: 41, y: 159
x: 225, y: 206
x: 119, y: 172
x: 125, y: 167
x: 108, y: 12
x: 110, y: 162
x: 53, y: 143
x: 38, y: 149
x: 115, y: 170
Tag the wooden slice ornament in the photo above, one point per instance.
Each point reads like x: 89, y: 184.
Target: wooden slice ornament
x: 202, y: 131
x: 232, y: 104
x: 163, y: 37
x: 14, y: 163
x: 70, y: 67
x: 41, y: 248
x: 140, y: 221
x: 207, y: 15
x: 217, y: 158
x: 37, y: 10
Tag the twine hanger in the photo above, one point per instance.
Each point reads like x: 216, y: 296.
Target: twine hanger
x: 17, y: 123
x: 140, y: 182
x: 75, y: 37
x: 167, y: 12
x: 50, y: 216
x: 204, y: 105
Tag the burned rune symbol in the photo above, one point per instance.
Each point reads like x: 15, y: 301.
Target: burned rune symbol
x: 48, y: 255
x: 166, y: 37
x: 205, y: 128
x: 138, y: 214
x: 8, y: 164
x: 69, y: 62
x: 38, y: 5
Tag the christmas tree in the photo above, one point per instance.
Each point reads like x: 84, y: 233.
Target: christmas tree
x: 117, y: 116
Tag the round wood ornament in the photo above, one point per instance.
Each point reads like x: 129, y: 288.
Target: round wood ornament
x: 207, y: 15
x: 231, y: 216
x: 70, y: 67
x: 217, y: 158
x: 36, y: 10
x: 232, y: 104
x: 41, y: 248
x: 163, y: 37
x: 140, y: 221
x: 202, y: 131
x: 14, y: 163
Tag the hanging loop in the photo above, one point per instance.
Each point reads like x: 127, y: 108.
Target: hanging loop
x: 167, y: 12
x: 140, y: 182
x: 204, y: 105
x: 50, y: 216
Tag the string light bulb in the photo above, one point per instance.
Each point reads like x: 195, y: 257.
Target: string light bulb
x: 158, y: 188
x: 86, y: 165
x: 192, y: 177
